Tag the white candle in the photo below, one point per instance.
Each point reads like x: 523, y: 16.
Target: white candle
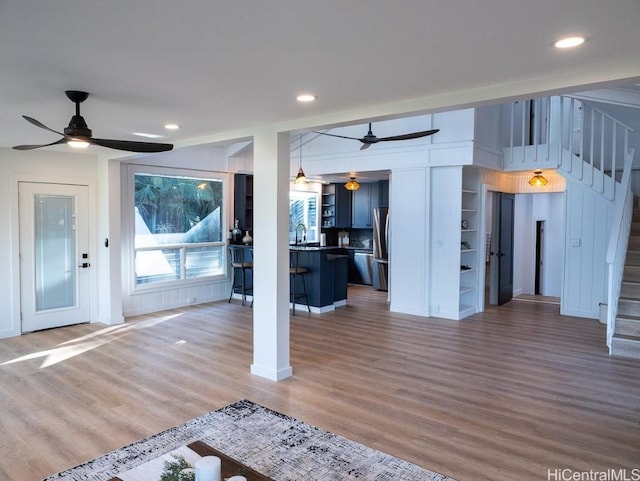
x: 209, y: 468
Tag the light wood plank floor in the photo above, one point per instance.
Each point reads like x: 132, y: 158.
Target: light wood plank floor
x: 503, y: 395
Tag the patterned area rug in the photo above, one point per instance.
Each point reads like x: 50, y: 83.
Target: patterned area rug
x: 273, y: 444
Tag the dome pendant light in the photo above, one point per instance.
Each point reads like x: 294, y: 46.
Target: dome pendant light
x: 352, y: 184
x: 300, y: 178
x: 538, y: 180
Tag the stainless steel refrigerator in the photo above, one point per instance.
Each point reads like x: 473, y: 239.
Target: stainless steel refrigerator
x: 380, y: 245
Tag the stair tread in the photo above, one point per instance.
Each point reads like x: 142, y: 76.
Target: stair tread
x: 627, y: 317
x: 630, y: 299
x: 626, y: 337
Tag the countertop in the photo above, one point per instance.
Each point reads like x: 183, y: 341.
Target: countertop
x: 302, y: 247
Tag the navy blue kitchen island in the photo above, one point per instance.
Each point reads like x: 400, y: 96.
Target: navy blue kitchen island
x: 326, y: 279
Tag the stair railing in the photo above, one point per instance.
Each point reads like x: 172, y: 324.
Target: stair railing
x: 566, y: 133
x: 529, y: 129
x: 617, y: 247
x: 596, y: 138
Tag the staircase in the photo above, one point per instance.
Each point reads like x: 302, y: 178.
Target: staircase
x: 592, y: 148
x: 626, y: 337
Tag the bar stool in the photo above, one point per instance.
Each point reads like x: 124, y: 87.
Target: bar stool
x: 239, y: 256
x: 295, y: 271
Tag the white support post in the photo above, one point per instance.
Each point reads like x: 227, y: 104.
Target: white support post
x: 271, y: 256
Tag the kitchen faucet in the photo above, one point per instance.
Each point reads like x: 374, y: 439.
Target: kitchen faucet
x: 304, y: 232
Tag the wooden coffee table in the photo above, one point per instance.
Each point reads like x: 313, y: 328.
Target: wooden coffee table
x: 230, y: 467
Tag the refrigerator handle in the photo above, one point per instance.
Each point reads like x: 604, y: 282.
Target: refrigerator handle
x: 386, y: 233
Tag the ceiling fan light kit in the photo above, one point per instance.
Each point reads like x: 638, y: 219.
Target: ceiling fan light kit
x: 78, y: 143
x: 78, y: 135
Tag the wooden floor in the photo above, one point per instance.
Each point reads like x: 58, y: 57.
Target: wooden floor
x: 504, y: 395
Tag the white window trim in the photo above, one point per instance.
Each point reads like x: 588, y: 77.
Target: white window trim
x: 128, y: 226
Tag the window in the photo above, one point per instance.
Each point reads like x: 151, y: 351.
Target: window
x: 303, y: 216
x: 178, y: 228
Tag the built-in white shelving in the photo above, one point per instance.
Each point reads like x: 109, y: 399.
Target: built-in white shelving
x: 469, y: 243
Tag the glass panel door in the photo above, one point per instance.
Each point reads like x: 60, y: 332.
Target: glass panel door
x: 55, y: 252
x: 55, y: 273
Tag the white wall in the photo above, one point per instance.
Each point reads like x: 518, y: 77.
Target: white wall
x: 444, y: 227
x: 40, y: 166
x: 487, y: 141
x: 530, y: 208
x: 588, y: 224
x: 409, y: 262
x: 199, y: 160
x: 329, y: 155
x: 424, y: 203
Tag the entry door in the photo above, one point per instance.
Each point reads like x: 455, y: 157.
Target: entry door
x: 54, y: 255
x: 505, y: 248
x: 539, y: 251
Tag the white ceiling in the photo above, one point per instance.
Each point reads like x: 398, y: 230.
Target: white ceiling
x: 220, y: 68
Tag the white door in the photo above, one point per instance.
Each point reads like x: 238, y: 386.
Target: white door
x: 54, y: 255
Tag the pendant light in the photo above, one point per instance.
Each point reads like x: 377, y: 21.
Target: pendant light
x: 352, y: 184
x: 538, y: 180
x: 300, y: 178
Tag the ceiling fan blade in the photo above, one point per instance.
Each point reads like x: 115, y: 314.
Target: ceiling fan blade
x: 132, y: 146
x: 414, y: 135
x: 335, y: 135
x: 365, y: 145
x: 37, y: 123
x: 30, y: 147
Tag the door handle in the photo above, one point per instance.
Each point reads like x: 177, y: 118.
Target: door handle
x: 84, y: 265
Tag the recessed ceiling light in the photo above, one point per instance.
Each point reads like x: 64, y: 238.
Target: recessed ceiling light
x: 148, y: 136
x: 171, y: 126
x: 569, y: 42
x: 306, y: 98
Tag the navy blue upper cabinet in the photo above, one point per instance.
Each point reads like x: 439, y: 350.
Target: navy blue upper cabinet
x: 243, y: 200
x: 383, y: 186
x: 343, y: 206
x: 365, y: 199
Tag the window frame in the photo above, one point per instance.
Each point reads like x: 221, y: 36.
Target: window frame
x: 305, y: 196
x: 129, y: 248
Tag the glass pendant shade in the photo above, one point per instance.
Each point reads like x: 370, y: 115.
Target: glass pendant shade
x: 300, y: 178
x: 538, y: 180
x: 352, y: 184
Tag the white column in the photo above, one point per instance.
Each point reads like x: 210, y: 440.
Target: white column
x: 409, y: 244
x: 271, y: 255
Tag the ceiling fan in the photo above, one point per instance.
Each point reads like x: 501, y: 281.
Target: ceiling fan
x: 78, y: 134
x: 369, y: 139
